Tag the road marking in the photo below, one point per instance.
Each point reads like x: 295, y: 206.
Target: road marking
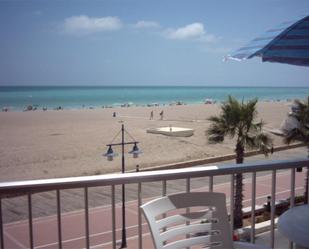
x: 14, y: 240
x: 130, y: 238
x: 91, y: 235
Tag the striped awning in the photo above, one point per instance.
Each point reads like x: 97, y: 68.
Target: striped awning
x: 288, y: 43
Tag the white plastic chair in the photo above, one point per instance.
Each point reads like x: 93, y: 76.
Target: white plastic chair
x: 199, y: 219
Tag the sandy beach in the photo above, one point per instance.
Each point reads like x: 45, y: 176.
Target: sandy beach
x: 49, y: 144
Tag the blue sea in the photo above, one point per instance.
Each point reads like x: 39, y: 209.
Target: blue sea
x: 16, y: 98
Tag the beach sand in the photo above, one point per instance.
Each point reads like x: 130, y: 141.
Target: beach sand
x: 47, y: 144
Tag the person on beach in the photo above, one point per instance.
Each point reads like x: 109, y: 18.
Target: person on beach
x: 151, y: 115
x: 161, y: 115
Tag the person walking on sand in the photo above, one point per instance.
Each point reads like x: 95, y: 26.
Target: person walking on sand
x: 151, y: 115
x: 161, y: 115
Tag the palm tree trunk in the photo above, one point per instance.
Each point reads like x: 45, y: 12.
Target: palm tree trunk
x: 306, y: 186
x: 238, y: 196
x: 306, y: 182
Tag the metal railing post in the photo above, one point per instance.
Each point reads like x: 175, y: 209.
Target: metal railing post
x: 253, y: 195
x: 211, y: 184
x: 1, y: 226
x: 292, y: 199
x: 30, y: 221
x: 113, y: 216
x: 272, y: 210
x: 232, y: 205
x: 87, y: 217
x: 139, y: 203
x: 164, y: 192
x: 188, y: 187
x: 59, y: 219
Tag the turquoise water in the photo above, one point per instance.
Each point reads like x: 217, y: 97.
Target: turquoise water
x: 17, y: 97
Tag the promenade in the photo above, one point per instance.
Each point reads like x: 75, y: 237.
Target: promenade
x: 73, y: 227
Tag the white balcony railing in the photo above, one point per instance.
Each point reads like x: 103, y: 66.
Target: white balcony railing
x: 28, y: 188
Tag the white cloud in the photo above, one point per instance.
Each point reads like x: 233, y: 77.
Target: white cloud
x: 146, y: 24
x: 186, y: 32
x: 85, y: 25
x: 193, y: 31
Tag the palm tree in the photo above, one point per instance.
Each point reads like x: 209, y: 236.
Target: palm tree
x: 301, y: 132
x: 237, y: 121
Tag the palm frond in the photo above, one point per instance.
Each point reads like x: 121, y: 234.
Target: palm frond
x: 256, y: 127
x: 215, y: 138
x: 215, y: 119
x: 301, y: 133
x: 217, y: 131
x: 250, y: 142
x: 264, y: 143
x: 237, y: 119
x: 295, y: 134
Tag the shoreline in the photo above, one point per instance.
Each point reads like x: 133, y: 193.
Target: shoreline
x: 33, y: 107
x: 19, y: 98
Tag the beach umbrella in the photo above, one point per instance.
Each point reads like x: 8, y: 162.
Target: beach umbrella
x: 288, y: 43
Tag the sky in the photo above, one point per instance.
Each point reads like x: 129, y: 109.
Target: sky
x: 141, y: 42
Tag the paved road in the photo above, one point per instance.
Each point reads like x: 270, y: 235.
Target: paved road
x: 44, y: 204
x: 45, y: 229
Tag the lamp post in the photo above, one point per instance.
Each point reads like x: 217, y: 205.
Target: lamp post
x: 110, y: 155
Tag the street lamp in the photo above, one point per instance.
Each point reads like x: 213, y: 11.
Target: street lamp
x: 110, y: 154
x: 135, y: 151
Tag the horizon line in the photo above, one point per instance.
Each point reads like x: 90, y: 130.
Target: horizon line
x: 167, y: 85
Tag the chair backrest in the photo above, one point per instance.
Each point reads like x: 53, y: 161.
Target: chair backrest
x: 188, y: 219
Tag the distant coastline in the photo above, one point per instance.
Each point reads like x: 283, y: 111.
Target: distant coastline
x: 19, y: 98
x: 7, y: 87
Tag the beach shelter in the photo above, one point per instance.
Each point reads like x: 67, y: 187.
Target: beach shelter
x: 288, y: 43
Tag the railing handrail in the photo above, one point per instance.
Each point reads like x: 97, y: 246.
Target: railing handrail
x: 32, y: 186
